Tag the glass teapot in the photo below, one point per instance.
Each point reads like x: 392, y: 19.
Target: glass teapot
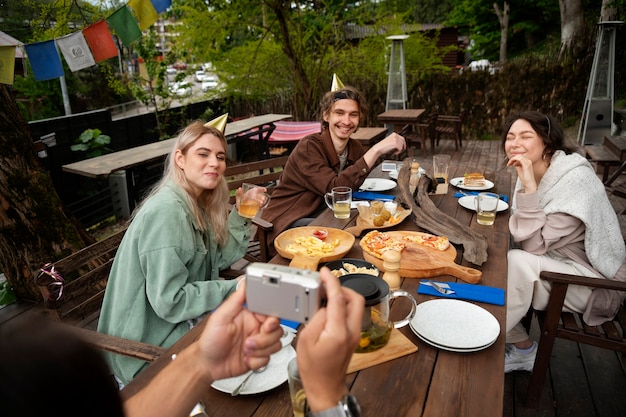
x: 376, y: 326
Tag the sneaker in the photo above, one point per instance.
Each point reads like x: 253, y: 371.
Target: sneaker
x: 514, y: 360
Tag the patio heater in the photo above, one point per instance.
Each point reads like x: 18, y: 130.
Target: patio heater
x: 597, y: 117
x: 397, y: 96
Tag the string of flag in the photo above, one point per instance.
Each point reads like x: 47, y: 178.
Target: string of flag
x: 87, y: 47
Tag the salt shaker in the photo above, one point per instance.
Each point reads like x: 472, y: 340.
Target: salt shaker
x: 414, y: 179
x: 391, y: 265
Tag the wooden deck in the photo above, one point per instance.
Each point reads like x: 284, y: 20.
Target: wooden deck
x: 583, y: 381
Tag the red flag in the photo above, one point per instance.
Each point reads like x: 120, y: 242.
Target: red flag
x: 100, y: 41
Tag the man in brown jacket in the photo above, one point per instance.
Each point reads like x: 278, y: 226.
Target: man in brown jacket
x: 326, y: 160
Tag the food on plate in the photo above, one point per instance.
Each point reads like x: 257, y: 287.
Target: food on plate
x: 377, y: 206
x: 321, y: 234
x: 436, y: 242
x: 349, y: 268
x: 378, y: 221
x: 311, y: 246
x: 474, y: 179
x: 376, y: 243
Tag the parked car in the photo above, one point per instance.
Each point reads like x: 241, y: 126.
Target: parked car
x: 171, y: 72
x: 200, y: 74
x: 180, y: 66
x: 181, y: 89
x: 209, y: 82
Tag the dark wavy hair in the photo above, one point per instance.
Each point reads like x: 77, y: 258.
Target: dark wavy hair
x: 344, y: 93
x: 546, y: 127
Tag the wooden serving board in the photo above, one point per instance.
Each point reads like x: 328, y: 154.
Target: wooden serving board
x: 365, y: 220
x: 419, y: 261
x: 398, y: 345
x: 346, y: 241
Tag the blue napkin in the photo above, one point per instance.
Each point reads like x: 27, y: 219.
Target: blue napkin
x: 292, y: 324
x: 460, y: 194
x: 470, y: 292
x: 368, y: 195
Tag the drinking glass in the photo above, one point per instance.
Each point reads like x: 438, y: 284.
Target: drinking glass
x: 296, y: 389
x: 253, y: 200
x: 441, y: 165
x: 339, y: 201
x: 486, y: 208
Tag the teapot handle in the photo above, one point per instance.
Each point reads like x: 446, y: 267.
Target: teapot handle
x: 407, y: 319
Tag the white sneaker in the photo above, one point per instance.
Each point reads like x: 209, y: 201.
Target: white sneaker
x: 516, y: 361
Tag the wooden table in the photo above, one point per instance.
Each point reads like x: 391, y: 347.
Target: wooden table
x: 404, y: 122
x: 368, y: 136
x: 429, y: 382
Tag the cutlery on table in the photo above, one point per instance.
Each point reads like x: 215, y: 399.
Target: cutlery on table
x: 237, y: 390
x: 440, y: 289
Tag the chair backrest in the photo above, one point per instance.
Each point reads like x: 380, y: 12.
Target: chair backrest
x: 84, y: 276
x: 265, y: 172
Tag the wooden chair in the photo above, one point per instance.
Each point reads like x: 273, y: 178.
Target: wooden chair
x: 73, y: 289
x: 450, y: 126
x: 556, y: 323
x: 421, y: 132
x: 266, y: 173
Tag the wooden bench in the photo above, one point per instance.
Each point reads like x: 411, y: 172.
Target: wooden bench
x: 265, y: 173
x: 73, y: 289
x: 603, y: 157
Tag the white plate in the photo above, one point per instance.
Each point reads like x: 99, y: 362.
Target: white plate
x: 288, y: 335
x: 455, y: 324
x: 274, y: 375
x: 394, y: 174
x: 377, y: 184
x: 459, y: 350
x: 468, y: 202
x: 458, y: 182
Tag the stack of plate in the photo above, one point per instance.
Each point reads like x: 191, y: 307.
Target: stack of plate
x: 455, y: 325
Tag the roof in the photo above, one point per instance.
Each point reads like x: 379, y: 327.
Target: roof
x: 8, y: 40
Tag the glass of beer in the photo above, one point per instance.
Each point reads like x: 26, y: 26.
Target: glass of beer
x: 296, y: 390
x: 339, y: 201
x: 253, y: 200
x: 486, y: 208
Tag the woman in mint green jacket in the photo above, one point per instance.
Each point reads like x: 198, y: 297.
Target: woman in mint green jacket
x: 166, y: 271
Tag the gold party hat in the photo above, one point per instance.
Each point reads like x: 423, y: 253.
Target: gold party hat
x: 219, y: 122
x: 337, y: 84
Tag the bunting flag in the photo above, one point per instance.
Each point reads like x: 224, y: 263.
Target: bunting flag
x: 144, y: 12
x: 100, y: 41
x: 75, y: 51
x: 44, y: 60
x: 7, y: 64
x: 161, y: 5
x: 125, y: 25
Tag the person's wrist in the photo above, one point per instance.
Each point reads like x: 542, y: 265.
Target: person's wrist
x: 324, y: 400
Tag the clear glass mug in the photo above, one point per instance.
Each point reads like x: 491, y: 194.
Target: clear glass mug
x: 339, y: 201
x: 253, y: 200
x: 376, y: 325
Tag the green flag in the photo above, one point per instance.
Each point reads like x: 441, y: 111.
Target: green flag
x: 125, y: 25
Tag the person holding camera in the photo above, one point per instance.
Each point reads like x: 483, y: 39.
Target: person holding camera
x: 166, y: 271
x: 325, y: 160
x: 37, y: 359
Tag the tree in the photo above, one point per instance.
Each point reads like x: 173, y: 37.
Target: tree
x: 572, y: 23
x: 34, y: 229
x: 503, y: 18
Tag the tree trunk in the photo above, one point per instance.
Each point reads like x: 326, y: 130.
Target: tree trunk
x: 609, y: 11
x: 503, y: 18
x: 572, y: 23
x: 34, y: 229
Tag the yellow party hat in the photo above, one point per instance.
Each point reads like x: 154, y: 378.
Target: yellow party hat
x: 219, y: 122
x: 337, y: 84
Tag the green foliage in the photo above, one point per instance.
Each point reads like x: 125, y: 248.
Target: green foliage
x: 7, y: 296
x: 93, y: 142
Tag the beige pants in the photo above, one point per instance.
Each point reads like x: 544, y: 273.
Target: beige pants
x: 524, y: 287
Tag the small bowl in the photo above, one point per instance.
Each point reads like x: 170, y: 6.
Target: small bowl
x: 359, y: 263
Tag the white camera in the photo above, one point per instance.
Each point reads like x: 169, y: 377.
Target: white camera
x: 289, y: 293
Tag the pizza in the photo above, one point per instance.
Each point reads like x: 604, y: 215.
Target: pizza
x: 436, y: 242
x: 376, y: 243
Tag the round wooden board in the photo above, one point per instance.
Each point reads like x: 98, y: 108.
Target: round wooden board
x: 419, y: 261
x: 346, y: 241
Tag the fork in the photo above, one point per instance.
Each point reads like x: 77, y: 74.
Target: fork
x: 440, y: 289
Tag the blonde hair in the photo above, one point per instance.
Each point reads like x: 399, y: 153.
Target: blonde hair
x: 211, y: 208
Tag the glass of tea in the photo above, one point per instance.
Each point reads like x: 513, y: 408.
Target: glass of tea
x: 253, y: 200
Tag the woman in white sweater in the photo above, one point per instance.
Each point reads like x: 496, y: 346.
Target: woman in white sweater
x: 561, y: 221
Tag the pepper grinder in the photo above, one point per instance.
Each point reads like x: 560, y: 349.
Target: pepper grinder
x: 391, y: 265
x: 414, y: 179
